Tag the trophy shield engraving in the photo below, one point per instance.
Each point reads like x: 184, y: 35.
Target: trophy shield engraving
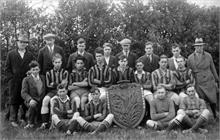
x: 127, y: 103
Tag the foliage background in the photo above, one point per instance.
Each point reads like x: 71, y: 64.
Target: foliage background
x: 162, y: 21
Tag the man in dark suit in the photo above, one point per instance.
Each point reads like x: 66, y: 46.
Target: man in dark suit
x: 81, y: 46
x: 46, y: 53
x: 109, y: 59
x: 16, y: 68
x: 131, y: 57
x: 150, y: 60
x: 33, y: 92
x: 172, y: 63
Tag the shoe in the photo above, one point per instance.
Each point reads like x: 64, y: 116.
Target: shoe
x: 202, y: 131
x: 68, y: 133
x: 161, y: 132
x: 22, y: 123
x: 29, y: 126
x: 43, y: 126
x: 14, y: 124
x: 187, y: 131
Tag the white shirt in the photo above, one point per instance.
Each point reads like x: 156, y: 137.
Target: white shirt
x: 107, y: 60
x: 21, y: 53
x: 79, y: 53
x: 139, y: 75
x: 51, y: 48
x: 175, y: 63
x: 126, y: 53
x: 36, y: 78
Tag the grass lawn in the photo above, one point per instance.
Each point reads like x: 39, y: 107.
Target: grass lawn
x: 8, y: 133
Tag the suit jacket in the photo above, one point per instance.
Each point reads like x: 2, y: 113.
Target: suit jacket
x: 171, y: 64
x: 89, y: 61
x: 112, y: 62
x: 205, y: 76
x: 150, y: 66
x: 132, y: 57
x: 45, y: 58
x: 16, y: 69
x: 29, y: 90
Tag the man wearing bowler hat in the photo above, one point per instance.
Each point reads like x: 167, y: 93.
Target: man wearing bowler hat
x: 46, y: 53
x: 131, y: 57
x: 17, y: 65
x: 205, y: 74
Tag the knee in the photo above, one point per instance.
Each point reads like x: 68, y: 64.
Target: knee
x: 110, y: 116
x: 151, y: 123
x: 76, y: 114
x: 205, y: 113
x: 180, y: 117
x: 54, y: 117
x: 76, y: 99
x: 181, y: 111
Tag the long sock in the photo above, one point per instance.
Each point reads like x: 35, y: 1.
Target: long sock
x: 60, y: 126
x: 172, y: 125
x: 186, y: 120
x: 72, y: 126
x: 104, y: 125
x: 45, y: 118
x: 88, y: 127
x: 199, y: 122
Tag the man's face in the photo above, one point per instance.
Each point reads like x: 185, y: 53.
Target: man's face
x: 79, y: 64
x: 107, y: 51
x: 35, y: 70
x: 123, y: 63
x: 50, y: 41
x: 81, y: 47
x: 161, y: 93
x: 99, y: 57
x: 139, y: 66
x: 95, y: 95
x: 126, y: 47
x: 163, y: 63
x: 176, y: 51
x: 62, y: 93
x: 199, y: 48
x: 190, y: 92
x: 57, y: 63
x: 22, y: 44
x: 180, y: 62
x: 149, y: 49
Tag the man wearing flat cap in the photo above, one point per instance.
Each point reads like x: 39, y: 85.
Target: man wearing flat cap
x: 17, y: 65
x: 81, y: 46
x: 131, y: 57
x: 46, y: 53
x: 205, y: 74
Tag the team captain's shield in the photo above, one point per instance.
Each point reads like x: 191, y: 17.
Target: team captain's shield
x: 127, y: 103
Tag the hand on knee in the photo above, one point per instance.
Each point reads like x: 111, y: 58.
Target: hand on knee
x: 205, y: 113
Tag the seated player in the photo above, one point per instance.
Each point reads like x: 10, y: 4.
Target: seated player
x: 100, y: 75
x: 144, y: 79
x: 63, y: 115
x: 33, y: 91
x: 193, y: 112
x: 183, y: 77
x: 164, y: 77
x: 96, y: 118
x: 123, y: 72
x: 78, y: 83
x: 161, y: 110
x: 54, y: 77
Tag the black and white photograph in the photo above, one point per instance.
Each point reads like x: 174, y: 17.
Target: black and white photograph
x: 109, y: 69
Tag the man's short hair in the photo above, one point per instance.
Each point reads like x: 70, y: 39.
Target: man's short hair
x: 107, y: 45
x: 34, y: 64
x: 57, y: 56
x: 81, y: 40
x: 122, y: 57
x: 189, y: 85
x: 160, y: 87
x: 149, y: 43
x: 138, y: 61
x: 175, y: 45
x: 99, y: 50
x: 163, y: 56
x: 80, y: 58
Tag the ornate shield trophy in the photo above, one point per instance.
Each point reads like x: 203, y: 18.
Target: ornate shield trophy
x: 127, y: 103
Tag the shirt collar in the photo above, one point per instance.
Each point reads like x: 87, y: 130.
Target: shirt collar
x: 81, y: 53
x: 136, y: 72
x: 67, y: 99
x: 52, y: 47
x: 37, y: 78
x: 125, y: 52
